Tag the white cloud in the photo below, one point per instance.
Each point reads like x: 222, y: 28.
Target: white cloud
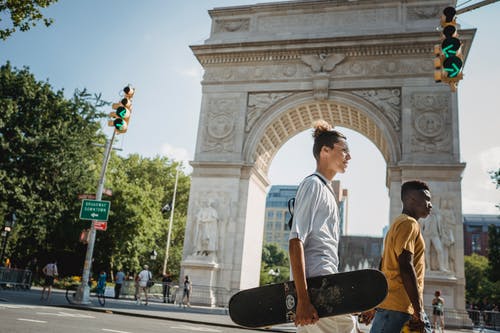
x: 177, y: 154
x: 490, y: 159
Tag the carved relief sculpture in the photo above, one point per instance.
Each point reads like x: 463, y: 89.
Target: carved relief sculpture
x: 219, y: 129
x: 206, y: 232
x: 387, y: 100
x: 258, y: 104
x: 431, y: 123
x: 321, y: 65
x: 432, y: 233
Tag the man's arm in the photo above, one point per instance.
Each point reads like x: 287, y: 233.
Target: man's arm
x: 409, y: 278
x: 306, y: 313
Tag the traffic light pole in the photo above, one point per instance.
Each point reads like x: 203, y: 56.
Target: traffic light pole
x: 83, y: 293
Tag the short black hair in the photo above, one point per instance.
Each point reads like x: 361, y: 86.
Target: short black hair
x: 413, y: 185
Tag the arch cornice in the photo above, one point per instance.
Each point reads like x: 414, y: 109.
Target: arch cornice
x: 296, y: 113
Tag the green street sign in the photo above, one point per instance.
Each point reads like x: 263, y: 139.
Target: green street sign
x: 97, y: 210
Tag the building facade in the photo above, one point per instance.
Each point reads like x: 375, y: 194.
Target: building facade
x: 476, y: 232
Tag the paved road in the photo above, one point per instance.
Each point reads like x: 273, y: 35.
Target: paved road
x: 23, y: 311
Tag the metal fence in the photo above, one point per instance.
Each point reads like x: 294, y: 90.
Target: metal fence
x: 15, y: 278
x: 485, y: 319
x: 200, y: 295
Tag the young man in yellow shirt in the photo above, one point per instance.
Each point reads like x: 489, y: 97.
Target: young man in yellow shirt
x: 403, y: 263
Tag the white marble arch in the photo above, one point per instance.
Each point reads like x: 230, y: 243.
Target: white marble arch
x: 270, y: 70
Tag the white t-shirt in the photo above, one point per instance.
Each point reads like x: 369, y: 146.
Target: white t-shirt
x: 316, y: 224
x: 144, y: 276
x: 51, y: 270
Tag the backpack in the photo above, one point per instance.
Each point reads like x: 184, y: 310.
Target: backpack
x: 291, y: 202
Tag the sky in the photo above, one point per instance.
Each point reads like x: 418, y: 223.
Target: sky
x: 103, y: 45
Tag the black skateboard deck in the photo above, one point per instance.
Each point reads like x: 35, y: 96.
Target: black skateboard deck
x: 331, y: 295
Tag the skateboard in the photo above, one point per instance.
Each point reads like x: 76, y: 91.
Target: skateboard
x: 331, y: 295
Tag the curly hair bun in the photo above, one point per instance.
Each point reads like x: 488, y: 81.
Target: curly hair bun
x: 321, y: 126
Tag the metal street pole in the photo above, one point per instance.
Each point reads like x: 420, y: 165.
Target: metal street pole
x: 83, y: 292
x: 170, y: 223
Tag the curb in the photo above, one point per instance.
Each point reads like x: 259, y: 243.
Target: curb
x: 191, y: 321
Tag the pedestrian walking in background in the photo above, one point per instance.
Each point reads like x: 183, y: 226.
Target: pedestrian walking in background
x: 166, y: 281
x: 144, y: 277
x: 119, y: 278
x: 438, y: 310
x: 314, y: 234
x: 403, y: 263
x: 101, y: 282
x: 50, y: 272
x: 188, y: 288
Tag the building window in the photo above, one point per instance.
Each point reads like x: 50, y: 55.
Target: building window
x: 476, y: 243
x: 270, y: 214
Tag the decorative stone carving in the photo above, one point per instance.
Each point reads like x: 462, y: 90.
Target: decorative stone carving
x: 438, y: 231
x: 321, y: 65
x: 424, y: 13
x: 430, y: 120
x: 449, y: 222
x: 233, y: 25
x: 432, y: 233
x: 209, y: 225
x: 206, y: 229
x: 258, y: 104
x: 219, y: 128
x: 387, y: 100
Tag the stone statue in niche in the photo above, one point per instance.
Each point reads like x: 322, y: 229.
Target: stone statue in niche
x: 435, y: 258
x: 448, y: 224
x: 206, y: 232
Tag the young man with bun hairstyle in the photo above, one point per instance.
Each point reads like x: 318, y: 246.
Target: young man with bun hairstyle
x: 403, y: 263
x: 314, y: 234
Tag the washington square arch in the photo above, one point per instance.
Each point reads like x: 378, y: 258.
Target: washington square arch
x: 270, y: 70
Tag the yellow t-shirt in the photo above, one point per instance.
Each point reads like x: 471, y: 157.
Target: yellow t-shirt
x: 404, y: 234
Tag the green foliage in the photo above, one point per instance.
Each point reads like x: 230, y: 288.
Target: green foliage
x: 136, y: 226
x: 275, y: 264
x: 48, y: 156
x: 46, y: 160
x: 23, y: 15
x: 478, y: 286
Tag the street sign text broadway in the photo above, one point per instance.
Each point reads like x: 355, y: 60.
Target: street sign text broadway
x: 95, y: 210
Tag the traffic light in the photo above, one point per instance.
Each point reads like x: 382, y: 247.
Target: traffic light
x: 123, y: 110
x: 449, y: 59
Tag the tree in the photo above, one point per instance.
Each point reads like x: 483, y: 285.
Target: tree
x: 46, y: 160
x: 23, y: 15
x: 275, y: 264
x: 475, y: 273
x: 494, y: 253
x: 495, y: 176
x: 141, y: 187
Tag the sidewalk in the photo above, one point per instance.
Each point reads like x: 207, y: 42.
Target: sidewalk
x: 155, y: 309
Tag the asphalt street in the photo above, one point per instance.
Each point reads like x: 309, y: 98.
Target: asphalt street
x: 23, y: 311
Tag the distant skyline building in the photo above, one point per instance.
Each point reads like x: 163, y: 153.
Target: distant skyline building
x: 276, y: 228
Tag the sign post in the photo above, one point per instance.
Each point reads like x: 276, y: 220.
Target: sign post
x: 89, y: 208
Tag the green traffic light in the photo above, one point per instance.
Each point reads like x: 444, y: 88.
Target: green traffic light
x: 119, y: 124
x: 450, y: 46
x: 453, y: 66
x: 121, y: 111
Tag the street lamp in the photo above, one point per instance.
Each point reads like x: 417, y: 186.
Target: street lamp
x: 7, y: 227
x: 170, y: 208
